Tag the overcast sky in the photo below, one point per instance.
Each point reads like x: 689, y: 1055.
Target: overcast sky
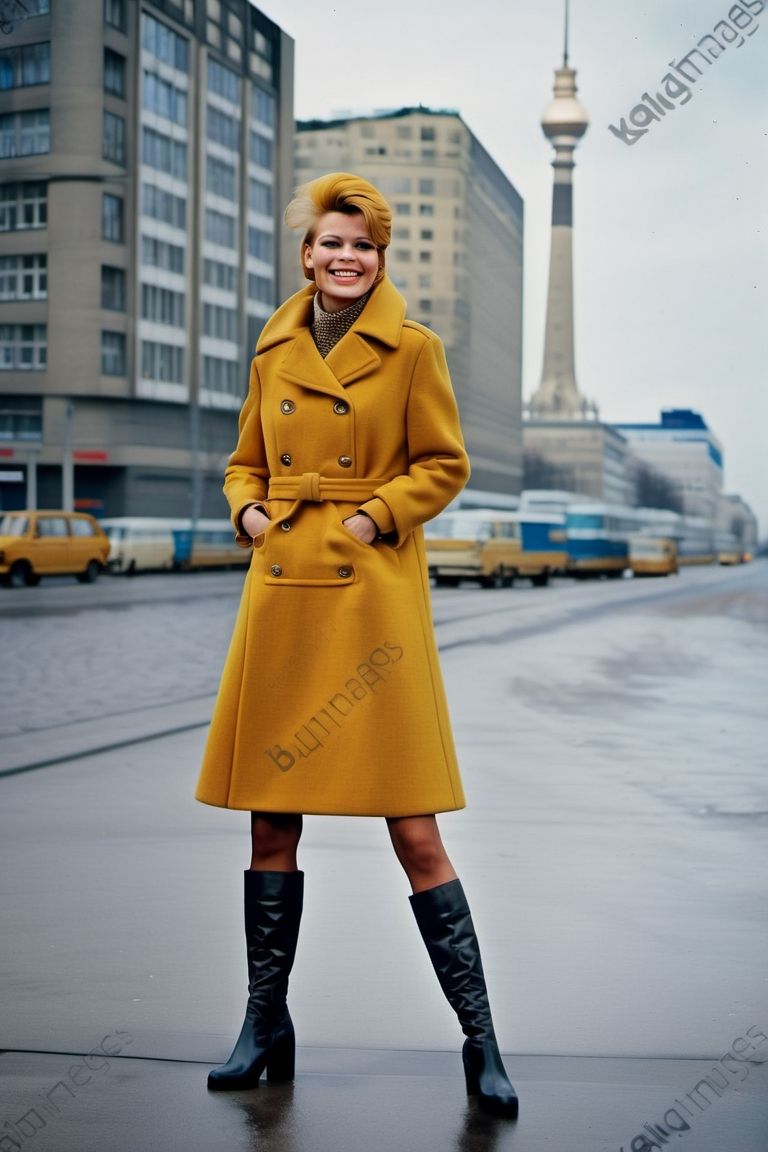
x: 670, y: 237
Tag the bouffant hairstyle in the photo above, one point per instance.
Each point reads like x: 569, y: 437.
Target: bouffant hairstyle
x: 340, y: 192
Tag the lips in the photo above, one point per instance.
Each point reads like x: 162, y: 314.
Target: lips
x: 344, y: 274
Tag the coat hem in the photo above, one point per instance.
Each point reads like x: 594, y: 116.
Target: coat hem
x: 389, y: 814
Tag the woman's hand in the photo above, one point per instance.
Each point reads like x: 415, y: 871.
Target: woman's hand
x: 362, y: 527
x: 254, y: 521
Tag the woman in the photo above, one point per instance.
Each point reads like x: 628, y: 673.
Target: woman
x: 331, y: 699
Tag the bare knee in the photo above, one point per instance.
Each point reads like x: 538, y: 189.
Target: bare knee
x: 275, y: 841
x: 420, y: 850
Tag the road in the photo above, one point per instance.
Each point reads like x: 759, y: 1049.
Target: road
x: 612, y: 742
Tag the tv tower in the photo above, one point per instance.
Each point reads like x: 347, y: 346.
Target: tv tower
x: 564, y: 123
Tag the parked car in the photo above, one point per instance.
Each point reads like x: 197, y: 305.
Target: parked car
x: 49, y: 543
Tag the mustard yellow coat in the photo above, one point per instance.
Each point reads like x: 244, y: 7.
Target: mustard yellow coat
x: 331, y: 699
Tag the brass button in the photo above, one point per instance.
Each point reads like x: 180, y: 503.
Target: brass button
x: 286, y: 458
x: 287, y: 407
x: 276, y: 570
x: 345, y: 461
x: 340, y: 408
x: 345, y: 573
x: 286, y: 525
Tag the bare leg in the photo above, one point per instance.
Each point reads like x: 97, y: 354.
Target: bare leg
x: 274, y: 841
x: 420, y: 850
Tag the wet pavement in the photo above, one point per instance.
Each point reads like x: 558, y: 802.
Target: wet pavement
x: 614, y: 852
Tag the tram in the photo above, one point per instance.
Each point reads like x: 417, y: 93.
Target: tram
x: 148, y: 543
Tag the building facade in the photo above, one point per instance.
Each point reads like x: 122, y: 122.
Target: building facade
x: 145, y: 151
x: 683, y: 448
x: 456, y: 255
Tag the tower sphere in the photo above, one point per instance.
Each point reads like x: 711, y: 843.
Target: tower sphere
x: 564, y: 115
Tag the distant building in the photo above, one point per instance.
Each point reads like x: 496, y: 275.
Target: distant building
x: 146, y: 155
x: 456, y: 255
x: 682, y: 447
x: 735, y: 518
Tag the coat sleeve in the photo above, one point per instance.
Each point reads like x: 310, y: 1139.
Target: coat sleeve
x: 438, y: 465
x: 246, y: 478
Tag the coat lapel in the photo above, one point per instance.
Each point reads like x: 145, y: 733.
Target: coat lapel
x: 353, y: 358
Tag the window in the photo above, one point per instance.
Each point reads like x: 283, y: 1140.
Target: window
x: 113, y: 354
x: 112, y: 288
x: 161, y: 254
x: 425, y: 257
x: 261, y: 151
x: 220, y: 275
x: 166, y: 155
x: 425, y: 280
x: 425, y: 305
x: 114, y: 14
x: 114, y: 138
x: 112, y: 218
x: 23, y: 347
x: 404, y: 132
x: 162, y: 205
x: 162, y: 305
x: 223, y: 81
x: 163, y: 362
x: 223, y: 129
x: 260, y: 245
x: 223, y: 323
x: 165, y: 99
x: 25, y: 65
x: 402, y: 255
x: 427, y: 133
x: 426, y: 187
x: 262, y: 106
x: 219, y: 229
x: 427, y: 234
x: 221, y: 178
x: 51, y: 526
x: 260, y: 197
x: 24, y: 277
x: 261, y: 289
x: 426, y: 209
x: 164, y: 44
x: 222, y: 375
x: 403, y: 209
x: 401, y: 233
x: 22, y: 423
x: 25, y: 134
x: 23, y: 205
x: 81, y: 528
x: 114, y: 73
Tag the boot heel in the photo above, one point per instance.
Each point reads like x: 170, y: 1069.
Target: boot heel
x: 281, y: 1060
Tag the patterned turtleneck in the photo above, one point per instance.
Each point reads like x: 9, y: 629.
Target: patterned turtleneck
x: 327, y: 328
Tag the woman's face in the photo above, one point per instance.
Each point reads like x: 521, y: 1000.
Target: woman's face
x: 344, y: 259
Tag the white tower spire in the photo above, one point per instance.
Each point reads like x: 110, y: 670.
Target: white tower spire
x: 564, y: 123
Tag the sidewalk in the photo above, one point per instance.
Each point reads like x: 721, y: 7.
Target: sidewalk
x: 615, y: 870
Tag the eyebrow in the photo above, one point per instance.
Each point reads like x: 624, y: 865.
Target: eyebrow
x: 336, y: 236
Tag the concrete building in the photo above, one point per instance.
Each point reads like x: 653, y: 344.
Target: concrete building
x: 683, y: 448
x: 456, y: 255
x: 146, y: 152
x: 736, y: 519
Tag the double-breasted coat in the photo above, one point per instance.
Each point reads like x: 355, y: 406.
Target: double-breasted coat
x: 331, y: 698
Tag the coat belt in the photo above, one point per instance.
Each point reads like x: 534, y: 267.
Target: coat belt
x: 316, y: 488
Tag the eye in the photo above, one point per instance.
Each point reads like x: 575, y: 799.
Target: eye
x: 329, y: 244
x: 365, y: 245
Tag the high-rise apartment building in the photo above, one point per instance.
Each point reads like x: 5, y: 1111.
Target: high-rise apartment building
x: 145, y: 152
x: 456, y: 255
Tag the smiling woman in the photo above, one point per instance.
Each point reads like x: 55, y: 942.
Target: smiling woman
x: 331, y: 701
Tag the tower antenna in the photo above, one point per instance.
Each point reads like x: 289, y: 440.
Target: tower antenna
x: 565, y: 46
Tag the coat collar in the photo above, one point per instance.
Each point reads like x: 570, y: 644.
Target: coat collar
x: 353, y: 357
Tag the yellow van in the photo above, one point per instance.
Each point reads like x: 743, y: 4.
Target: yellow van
x: 474, y: 544
x: 50, y: 543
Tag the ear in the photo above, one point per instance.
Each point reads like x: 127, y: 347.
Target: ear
x: 306, y: 256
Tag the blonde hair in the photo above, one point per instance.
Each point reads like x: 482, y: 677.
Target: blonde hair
x: 340, y: 192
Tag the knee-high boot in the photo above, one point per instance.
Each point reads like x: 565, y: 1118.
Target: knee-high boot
x: 445, y: 923
x: 273, y: 904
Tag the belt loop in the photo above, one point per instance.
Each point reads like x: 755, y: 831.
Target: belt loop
x: 309, y: 487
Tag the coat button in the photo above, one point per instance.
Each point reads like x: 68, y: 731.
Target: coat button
x: 340, y: 408
x: 286, y: 525
x: 276, y: 570
x: 345, y: 461
x: 287, y: 407
x: 345, y: 573
x: 286, y: 458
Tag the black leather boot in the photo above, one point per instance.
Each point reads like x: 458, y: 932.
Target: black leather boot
x: 445, y: 923
x: 273, y: 903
